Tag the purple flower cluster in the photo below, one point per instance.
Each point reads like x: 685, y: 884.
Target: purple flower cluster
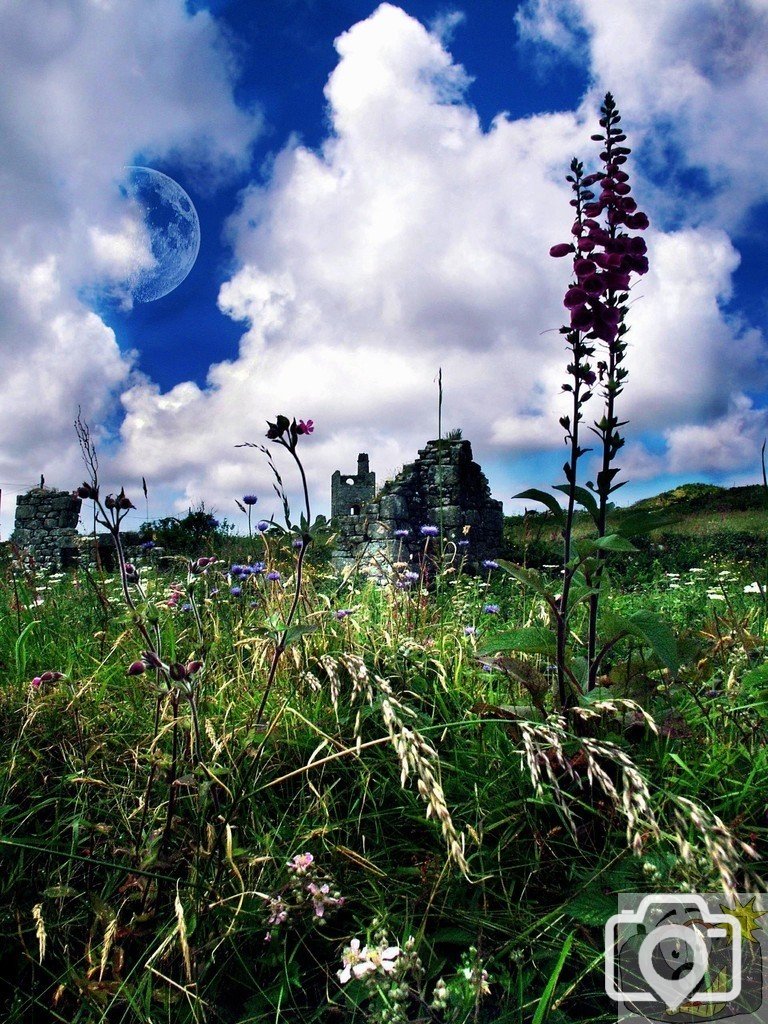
x: 604, y: 255
x: 242, y: 572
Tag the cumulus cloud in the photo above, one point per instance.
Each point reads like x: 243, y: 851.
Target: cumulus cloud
x: 692, y: 78
x: 87, y: 86
x: 414, y: 239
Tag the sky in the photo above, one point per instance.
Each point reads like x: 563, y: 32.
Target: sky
x: 378, y: 188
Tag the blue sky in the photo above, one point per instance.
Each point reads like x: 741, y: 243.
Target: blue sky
x: 378, y: 187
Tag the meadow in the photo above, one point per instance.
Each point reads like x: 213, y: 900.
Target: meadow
x: 239, y: 786
x: 412, y: 803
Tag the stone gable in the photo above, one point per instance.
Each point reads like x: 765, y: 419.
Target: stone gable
x: 444, y: 487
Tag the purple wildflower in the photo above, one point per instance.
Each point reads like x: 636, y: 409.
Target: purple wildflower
x: 491, y: 609
x: 263, y: 525
x: 273, y: 576
x: 489, y: 563
x: 249, y: 499
x: 305, y: 428
x: 235, y: 591
x: 342, y: 613
x: 401, y: 533
x: 429, y: 531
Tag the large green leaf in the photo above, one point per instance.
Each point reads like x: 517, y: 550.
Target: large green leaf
x: 633, y: 524
x: 534, y: 494
x: 583, y: 497
x: 647, y: 626
x: 613, y: 542
x: 526, y: 640
x: 529, y: 578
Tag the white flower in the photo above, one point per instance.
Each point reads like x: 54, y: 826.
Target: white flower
x: 359, y: 962
x: 716, y: 597
x: 753, y: 588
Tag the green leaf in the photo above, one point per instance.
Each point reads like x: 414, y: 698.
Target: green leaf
x: 534, y: 494
x: 529, y: 578
x: 634, y: 524
x: 613, y: 542
x: 582, y: 496
x: 592, y: 907
x: 294, y: 633
x: 593, y: 696
x: 526, y: 640
x: 542, y: 1008
x: 647, y: 626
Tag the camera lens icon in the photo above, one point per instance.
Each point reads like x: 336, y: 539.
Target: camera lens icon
x: 663, y: 950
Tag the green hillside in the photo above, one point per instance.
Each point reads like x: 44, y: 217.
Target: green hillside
x: 706, y: 522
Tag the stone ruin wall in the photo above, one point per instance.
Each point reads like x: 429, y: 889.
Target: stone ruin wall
x: 45, y: 528
x: 442, y: 487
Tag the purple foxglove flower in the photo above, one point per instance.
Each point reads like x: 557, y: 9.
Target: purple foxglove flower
x: 561, y: 249
x: 575, y: 296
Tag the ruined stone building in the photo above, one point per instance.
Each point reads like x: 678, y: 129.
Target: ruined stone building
x: 442, y: 488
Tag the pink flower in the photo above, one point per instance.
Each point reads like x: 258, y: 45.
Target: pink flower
x: 301, y: 863
x: 305, y: 428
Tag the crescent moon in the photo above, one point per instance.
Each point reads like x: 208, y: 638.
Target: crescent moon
x: 172, y: 226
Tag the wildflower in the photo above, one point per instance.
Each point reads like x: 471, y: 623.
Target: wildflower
x: 305, y: 428
x: 753, y: 588
x: 469, y: 631
x: 36, y: 682
x: 462, y: 543
x: 273, y: 576
x: 257, y: 567
x: 300, y: 863
x: 136, y: 668
x: 263, y: 525
x: 147, y: 545
x: 715, y: 597
x: 249, y: 499
x: 489, y: 563
x: 235, y: 591
x: 401, y: 533
x: 491, y: 609
x: 186, y: 607
x: 278, y: 911
x: 322, y: 899
x: 342, y: 613
x: 359, y: 962
x: 411, y: 576
x: 429, y: 531
x: 299, y: 543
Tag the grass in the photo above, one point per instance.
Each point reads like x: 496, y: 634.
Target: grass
x: 148, y: 864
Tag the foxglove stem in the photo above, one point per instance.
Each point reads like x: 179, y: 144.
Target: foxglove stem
x: 622, y: 256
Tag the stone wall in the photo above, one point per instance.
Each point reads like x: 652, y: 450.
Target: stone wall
x: 442, y: 488
x: 46, y: 526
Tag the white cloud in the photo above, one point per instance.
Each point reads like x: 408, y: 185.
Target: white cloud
x: 412, y: 240
x: 728, y: 444
x: 691, y: 77
x: 86, y: 87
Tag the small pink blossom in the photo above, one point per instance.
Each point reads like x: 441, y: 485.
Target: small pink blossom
x: 305, y: 427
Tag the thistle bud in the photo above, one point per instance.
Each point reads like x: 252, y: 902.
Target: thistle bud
x: 193, y: 666
x: 177, y: 672
x: 136, y: 668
